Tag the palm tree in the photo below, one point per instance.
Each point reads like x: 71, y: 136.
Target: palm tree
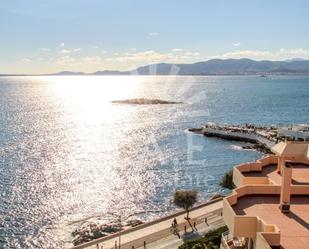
x: 185, y: 199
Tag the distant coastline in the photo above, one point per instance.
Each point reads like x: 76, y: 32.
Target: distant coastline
x: 226, y: 67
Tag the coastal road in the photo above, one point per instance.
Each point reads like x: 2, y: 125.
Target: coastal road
x: 158, y: 234
x: 173, y: 242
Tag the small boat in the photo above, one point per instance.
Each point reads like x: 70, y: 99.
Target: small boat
x: 263, y: 76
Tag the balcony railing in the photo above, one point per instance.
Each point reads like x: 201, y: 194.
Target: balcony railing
x: 225, y: 239
x: 228, y: 242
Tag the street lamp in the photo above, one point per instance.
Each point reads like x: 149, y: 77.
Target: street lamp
x: 119, y: 219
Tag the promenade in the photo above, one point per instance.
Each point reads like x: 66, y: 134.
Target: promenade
x: 173, y: 242
x: 158, y: 234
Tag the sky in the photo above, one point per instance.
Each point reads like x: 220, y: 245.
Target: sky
x: 45, y: 36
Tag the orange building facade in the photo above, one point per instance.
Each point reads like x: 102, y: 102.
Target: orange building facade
x: 270, y: 206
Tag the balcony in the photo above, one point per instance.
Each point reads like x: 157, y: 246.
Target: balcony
x: 251, y: 173
x: 228, y: 242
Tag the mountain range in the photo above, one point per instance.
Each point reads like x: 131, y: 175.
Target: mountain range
x: 213, y: 67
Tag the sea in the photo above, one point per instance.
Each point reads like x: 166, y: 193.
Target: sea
x: 69, y: 156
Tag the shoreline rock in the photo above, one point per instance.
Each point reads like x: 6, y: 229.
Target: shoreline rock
x: 196, y: 130
x: 257, y: 147
x: 94, y: 230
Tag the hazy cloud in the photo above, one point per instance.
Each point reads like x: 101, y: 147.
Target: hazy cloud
x: 45, y: 49
x: 25, y: 60
x: 152, y: 56
x: 265, y: 55
x: 153, y: 33
x: 66, y: 60
x: 95, y: 60
x: 67, y: 51
x: 177, y: 50
x: 236, y: 44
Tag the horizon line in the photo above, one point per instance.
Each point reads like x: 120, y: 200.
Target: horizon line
x: 131, y: 72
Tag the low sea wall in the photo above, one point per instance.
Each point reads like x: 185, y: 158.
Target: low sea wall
x: 159, y: 233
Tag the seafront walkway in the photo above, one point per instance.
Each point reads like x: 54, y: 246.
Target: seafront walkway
x: 158, y: 234
x: 173, y: 242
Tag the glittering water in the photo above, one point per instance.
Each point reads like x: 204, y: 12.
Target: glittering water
x: 67, y: 154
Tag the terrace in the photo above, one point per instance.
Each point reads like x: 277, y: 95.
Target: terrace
x: 293, y: 226
x: 300, y: 174
x: 270, y: 206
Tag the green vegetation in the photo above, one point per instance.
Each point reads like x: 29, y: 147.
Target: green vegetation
x: 199, y: 246
x: 227, y: 180
x: 211, y: 240
x: 185, y: 199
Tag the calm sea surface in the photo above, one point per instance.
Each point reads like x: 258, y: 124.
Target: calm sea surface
x: 67, y: 155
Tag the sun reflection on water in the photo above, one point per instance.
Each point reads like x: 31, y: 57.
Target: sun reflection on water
x: 103, y: 167
x: 69, y: 155
x: 90, y: 97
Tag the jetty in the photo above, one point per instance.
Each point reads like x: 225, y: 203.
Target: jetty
x: 261, y: 137
x: 239, y: 136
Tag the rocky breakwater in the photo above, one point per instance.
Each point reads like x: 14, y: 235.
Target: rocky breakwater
x: 91, y: 230
x: 261, y: 138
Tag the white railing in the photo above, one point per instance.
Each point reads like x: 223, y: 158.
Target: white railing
x: 225, y: 238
